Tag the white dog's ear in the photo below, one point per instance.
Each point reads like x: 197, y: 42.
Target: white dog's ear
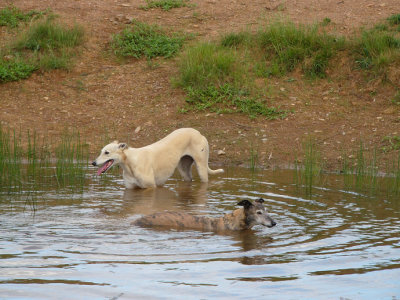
x: 122, y: 146
x: 115, y: 142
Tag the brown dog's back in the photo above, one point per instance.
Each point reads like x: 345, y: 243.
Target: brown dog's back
x: 177, y: 220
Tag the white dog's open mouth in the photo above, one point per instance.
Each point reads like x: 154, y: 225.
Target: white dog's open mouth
x: 105, y: 167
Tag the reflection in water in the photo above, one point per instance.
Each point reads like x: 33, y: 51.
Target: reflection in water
x: 336, y: 244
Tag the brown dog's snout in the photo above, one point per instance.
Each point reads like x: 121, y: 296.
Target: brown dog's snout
x: 273, y: 223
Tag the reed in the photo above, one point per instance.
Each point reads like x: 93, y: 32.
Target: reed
x: 308, y: 170
x: 71, y: 161
x: 10, y: 160
x: 253, y: 160
x: 30, y: 169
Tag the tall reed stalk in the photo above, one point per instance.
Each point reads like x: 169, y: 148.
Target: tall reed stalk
x: 71, y: 160
x: 308, y: 172
x: 253, y: 160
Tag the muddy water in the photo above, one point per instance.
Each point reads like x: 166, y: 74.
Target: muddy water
x: 338, y: 244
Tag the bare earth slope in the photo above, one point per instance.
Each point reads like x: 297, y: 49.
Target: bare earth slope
x: 102, y: 97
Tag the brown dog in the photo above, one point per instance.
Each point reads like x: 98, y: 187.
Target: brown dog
x: 249, y: 215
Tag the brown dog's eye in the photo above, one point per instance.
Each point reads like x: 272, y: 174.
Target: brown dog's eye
x: 259, y: 212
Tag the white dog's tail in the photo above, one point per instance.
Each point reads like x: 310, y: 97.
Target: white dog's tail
x: 212, y: 172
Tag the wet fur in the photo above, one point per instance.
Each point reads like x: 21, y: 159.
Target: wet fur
x: 152, y: 165
x: 239, y: 219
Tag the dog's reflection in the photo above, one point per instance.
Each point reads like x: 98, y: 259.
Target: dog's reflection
x: 147, y: 201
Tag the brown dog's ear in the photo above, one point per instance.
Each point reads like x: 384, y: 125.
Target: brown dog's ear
x: 245, y: 203
x: 122, y: 146
x: 261, y: 200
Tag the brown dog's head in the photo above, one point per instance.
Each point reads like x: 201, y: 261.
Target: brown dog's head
x: 256, y: 214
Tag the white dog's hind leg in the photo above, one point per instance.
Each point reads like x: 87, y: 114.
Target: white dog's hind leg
x: 202, y: 168
x: 185, y: 167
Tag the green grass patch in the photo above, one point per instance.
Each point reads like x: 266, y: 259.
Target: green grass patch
x: 149, y: 41
x: 216, y: 79
x: 228, y: 99
x: 207, y: 64
x: 219, y: 76
x: 49, y: 35
x: 281, y: 47
x: 11, y: 16
x: 377, y: 48
x: 15, y: 68
x: 166, y: 4
x: 44, y: 45
x: 391, y: 142
x: 394, y: 19
x: 396, y: 98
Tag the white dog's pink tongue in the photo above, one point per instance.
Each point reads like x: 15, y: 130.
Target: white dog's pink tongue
x: 104, y: 167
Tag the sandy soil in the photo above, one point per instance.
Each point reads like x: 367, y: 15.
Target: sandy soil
x: 135, y: 103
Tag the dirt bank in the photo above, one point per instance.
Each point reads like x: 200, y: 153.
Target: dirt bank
x: 135, y: 102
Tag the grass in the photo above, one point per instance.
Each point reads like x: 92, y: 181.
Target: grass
x: 71, y: 160
x: 288, y: 46
x: 396, y: 98
x: 44, y: 45
x: 49, y: 35
x: 220, y: 76
x: 377, y: 48
x: 228, y: 99
x: 253, y: 160
x: 206, y: 64
x: 392, y: 142
x: 31, y: 168
x: 281, y: 47
x: 394, y: 19
x: 215, y: 79
x: 146, y: 40
x: 308, y: 173
x: 359, y: 171
x: 11, y: 16
x: 15, y: 68
x: 166, y: 4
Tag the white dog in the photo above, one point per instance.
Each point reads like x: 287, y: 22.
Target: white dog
x: 152, y: 165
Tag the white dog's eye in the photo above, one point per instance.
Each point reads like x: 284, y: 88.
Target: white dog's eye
x: 106, y: 152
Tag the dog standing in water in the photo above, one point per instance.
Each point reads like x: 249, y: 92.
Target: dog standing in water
x: 249, y: 215
x: 152, y: 165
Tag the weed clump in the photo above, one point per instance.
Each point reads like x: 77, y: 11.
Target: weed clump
x: 49, y: 35
x: 206, y: 64
x: 146, y: 40
x: 228, y: 99
x: 282, y: 46
x: 11, y: 16
x: 45, y: 45
x: 394, y: 19
x: 166, y: 4
x: 15, y: 68
x: 378, y: 47
x: 215, y: 79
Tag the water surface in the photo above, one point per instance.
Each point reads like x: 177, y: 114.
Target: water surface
x: 336, y: 244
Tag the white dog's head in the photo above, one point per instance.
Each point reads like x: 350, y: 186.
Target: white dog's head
x: 110, y: 155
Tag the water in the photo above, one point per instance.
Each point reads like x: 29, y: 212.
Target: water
x: 336, y: 245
